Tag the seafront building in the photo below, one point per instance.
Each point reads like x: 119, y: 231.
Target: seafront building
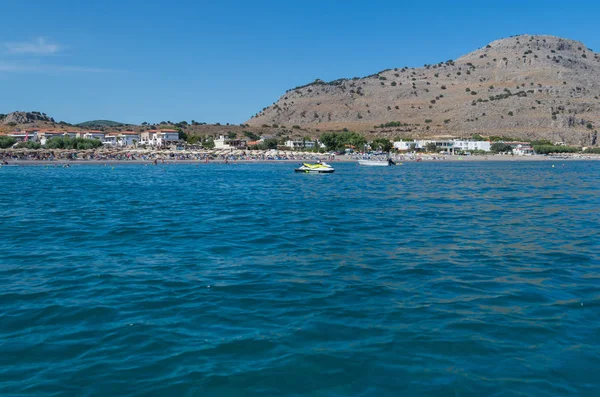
x: 121, y: 139
x: 448, y: 145
x: 224, y: 142
x: 110, y: 139
x: 154, y: 138
x: 159, y: 138
x: 24, y: 136
x: 521, y: 148
x: 130, y: 138
x: 465, y: 146
x: 94, y: 135
x: 301, y: 144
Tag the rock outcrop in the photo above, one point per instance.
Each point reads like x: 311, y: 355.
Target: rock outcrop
x: 25, y: 118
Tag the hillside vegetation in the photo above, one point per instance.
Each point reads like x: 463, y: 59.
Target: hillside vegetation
x: 100, y: 124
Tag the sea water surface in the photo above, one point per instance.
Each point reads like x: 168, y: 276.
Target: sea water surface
x: 428, y: 279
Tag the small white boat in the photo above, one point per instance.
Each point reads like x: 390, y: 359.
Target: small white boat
x: 377, y: 163
x: 315, y: 168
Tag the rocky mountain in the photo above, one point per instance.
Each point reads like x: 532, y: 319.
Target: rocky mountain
x: 24, y: 118
x: 526, y: 86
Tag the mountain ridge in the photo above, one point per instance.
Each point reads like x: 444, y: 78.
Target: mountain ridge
x: 527, y: 86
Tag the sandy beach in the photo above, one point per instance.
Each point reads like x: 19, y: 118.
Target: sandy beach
x: 104, y: 156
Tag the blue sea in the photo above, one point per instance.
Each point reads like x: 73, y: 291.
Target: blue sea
x: 427, y: 279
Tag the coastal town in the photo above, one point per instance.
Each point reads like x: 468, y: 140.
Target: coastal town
x: 168, y: 145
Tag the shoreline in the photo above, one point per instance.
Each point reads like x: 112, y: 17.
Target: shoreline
x: 340, y: 159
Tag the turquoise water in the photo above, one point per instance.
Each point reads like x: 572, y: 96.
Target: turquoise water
x: 430, y: 279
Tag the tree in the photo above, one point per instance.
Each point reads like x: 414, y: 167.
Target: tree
x: 232, y: 135
x: 6, y: 142
x: 251, y: 135
x: 182, y: 135
x: 431, y: 147
x: 208, y: 144
x: 270, y: 143
x: 546, y: 149
x: 340, y: 140
x: 381, y: 144
x: 193, y: 139
x: 72, y: 143
x: 500, y: 147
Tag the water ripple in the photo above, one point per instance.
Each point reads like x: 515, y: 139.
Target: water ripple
x: 248, y: 280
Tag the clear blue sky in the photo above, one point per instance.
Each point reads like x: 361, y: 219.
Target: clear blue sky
x: 222, y: 61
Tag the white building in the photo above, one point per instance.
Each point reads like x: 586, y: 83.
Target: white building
x: 224, y: 142
x: 110, y: 139
x: 465, y: 146
x: 130, y: 138
x: 166, y: 137
x: 158, y: 138
x: 24, y: 136
x: 521, y: 148
x: 94, y: 135
x: 405, y: 145
x: 300, y: 144
x: 454, y: 145
x: 147, y: 137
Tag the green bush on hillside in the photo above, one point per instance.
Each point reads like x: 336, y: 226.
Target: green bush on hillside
x: 251, y: 135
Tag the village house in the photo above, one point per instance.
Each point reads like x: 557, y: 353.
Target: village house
x: 521, y: 148
x: 300, y: 144
x: 468, y: 145
x: 24, y: 136
x: 110, y: 139
x: 405, y: 146
x: 224, y: 142
x: 450, y: 145
x: 94, y: 135
x: 129, y: 138
x: 166, y: 137
x: 159, y: 138
x: 147, y: 137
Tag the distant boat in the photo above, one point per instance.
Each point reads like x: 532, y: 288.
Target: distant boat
x: 377, y: 163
